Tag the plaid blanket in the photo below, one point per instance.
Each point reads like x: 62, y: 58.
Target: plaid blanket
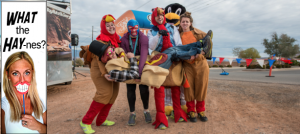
x: 123, y: 75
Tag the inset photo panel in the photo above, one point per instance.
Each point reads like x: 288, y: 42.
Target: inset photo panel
x: 23, y: 67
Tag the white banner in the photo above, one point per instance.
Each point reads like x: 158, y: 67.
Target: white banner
x: 277, y: 58
x: 230, y: 60
x: 261, y: 62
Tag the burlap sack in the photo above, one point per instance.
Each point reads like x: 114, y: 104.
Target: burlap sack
x: 152, y: 75
x: 176, y: 75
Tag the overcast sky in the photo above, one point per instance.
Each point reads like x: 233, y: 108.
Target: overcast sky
x: 235, y: 23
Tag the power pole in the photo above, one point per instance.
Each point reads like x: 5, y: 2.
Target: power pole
x: 93, y: 32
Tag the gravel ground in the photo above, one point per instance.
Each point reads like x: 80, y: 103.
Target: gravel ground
x: 231, y: 107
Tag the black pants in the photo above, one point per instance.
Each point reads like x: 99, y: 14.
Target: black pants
x: 144, y: 92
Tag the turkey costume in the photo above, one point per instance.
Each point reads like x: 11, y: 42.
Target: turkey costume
x: 106, y: 91
x: 161, y: 43
x: 197, y: 71
x: 172, y: 14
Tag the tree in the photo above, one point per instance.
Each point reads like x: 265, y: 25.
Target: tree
x: 283, y: 46
x: 236, y: 51
x: 249, y: 53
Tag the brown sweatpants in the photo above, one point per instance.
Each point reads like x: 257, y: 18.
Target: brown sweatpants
x: 197, y: 75
x: 106, y: 91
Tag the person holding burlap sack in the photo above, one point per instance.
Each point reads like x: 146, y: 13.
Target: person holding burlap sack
x: 136, y: 42
x: 106, y: 91
x: 161, y: 37
x: 196, y: 68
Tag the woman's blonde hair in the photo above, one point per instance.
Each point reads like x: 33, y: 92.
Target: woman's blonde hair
x: 186, y: 15
x: 15, y: 106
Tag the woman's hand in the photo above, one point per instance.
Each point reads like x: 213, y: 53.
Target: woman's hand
x: 107, y: 77
x: 129, y: 55
x: 202, y: 52
x: 31, y: 123
x: 192, y: 58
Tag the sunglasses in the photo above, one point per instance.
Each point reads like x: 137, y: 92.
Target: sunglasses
x: 111, y: 51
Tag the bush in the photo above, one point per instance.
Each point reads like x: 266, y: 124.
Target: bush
x: 79, y: 62
x: 251, y: 67
x: 278, y: 66
x: 209, y: 66
x: 229, y: 66
x: 241, y: 65
x: 264, y: 66
x: 258, y: 66
x: 221, y: 66
x: 215, y: 66
x: 294, y: 62
x: 286, y: 65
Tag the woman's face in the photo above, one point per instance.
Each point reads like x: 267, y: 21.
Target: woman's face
x: 20, y: 71
x: 110, y: 27
x: 111, y: 53
x: 185, y: 23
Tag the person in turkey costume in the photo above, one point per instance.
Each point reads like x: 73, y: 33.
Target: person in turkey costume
x: 196, y: 68
x: 137, y: 43
x: 162, y: 36
x: 106, y: 91
x: 172, y: 14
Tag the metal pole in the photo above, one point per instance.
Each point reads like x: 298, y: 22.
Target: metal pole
x: 270, y: 73
x: 74, y: 63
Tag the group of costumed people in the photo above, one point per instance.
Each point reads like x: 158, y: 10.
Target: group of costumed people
x: 177, y: 65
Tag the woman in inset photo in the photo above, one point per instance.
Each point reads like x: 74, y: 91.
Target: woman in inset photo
x: 22, y: 109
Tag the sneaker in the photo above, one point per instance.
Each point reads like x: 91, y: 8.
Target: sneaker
x: 162, y: 126
x: 192, y: 116
x: 207, y: 44
x: 87, y: 128
x: 108, y: 123
x: 173, y: 117
x: 148, y: 118
x: 202, y: 116
x: 210, y: 33
x: 131, y: 121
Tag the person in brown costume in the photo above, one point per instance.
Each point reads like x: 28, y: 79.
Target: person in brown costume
x: 106, y: 91
x: 196, y: 68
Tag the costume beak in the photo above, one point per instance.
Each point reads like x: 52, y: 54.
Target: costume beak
x: 160, y: 11
x: 109, y: 19
x: 173, y: 18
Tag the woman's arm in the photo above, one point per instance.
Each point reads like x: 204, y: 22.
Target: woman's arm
x: 45, y: 117
x: 3, y: 130
x: 123, y: 44
x: 144, y: 52
x: 153, y: 40
x: 101, y: 67
x: 177, y: 37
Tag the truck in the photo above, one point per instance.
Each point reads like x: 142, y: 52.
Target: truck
x: 59, y: 54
